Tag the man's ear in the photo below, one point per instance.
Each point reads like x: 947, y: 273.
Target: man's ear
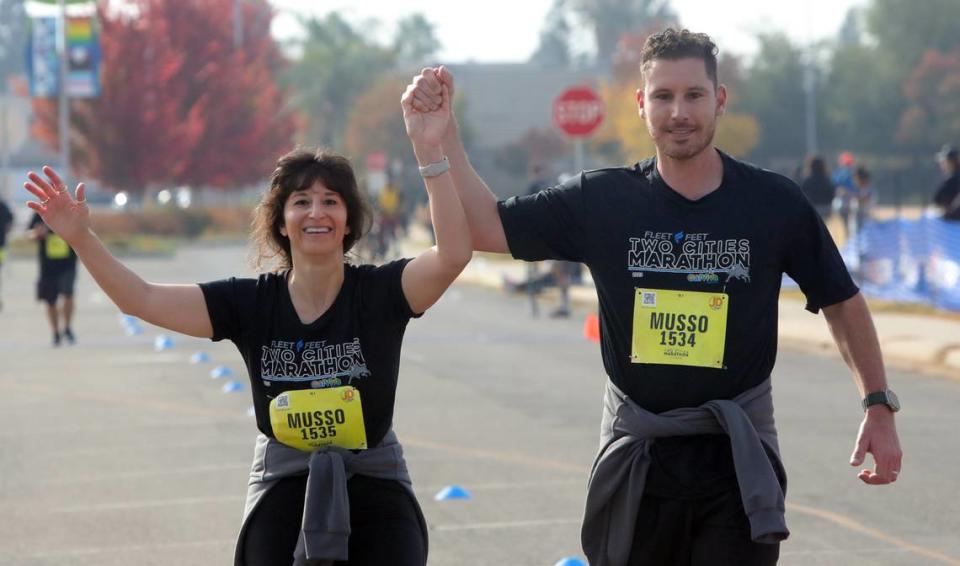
x: 640, y: 108
x: 721, y: 100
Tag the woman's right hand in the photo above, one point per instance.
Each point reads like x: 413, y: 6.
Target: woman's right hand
x: 66, y: 216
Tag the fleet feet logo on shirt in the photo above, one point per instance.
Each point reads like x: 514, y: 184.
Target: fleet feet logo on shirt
x: 322, y: 364
x: 703, y: 259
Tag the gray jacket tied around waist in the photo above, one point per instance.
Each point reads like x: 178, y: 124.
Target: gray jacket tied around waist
x: 620, y: 470
x: 326, y: 514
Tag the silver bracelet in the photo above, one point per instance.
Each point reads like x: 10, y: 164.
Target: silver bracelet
x: 435, y: 169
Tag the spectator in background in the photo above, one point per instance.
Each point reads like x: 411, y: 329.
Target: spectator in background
x: 6, y: 222
x: 846, y: 188
x: 817, y: 185
x: 947, y: 197
x: 864, y: 197
x: 58, y: 275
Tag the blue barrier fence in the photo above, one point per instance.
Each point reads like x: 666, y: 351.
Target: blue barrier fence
x: 916, y: 261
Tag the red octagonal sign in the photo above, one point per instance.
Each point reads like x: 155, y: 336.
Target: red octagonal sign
x: 578, y: 111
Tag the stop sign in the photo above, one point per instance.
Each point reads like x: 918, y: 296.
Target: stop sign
x: 578, y: 111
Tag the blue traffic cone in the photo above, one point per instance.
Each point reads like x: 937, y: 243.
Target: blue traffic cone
x: 162, y: 342
x: 232, y: 387
x: 200, y: 358
x: 221, y: 371
x: 452, y: 492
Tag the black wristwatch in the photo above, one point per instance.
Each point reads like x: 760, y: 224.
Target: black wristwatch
x: 885, y: 397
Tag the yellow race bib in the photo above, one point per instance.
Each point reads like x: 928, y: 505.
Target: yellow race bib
x: 686, y: 328
x: 308, y: 419
x: 56, y: 247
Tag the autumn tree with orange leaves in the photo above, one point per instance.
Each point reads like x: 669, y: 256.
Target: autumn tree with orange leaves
x: 180, y: 103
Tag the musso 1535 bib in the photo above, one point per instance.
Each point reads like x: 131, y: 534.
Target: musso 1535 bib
x: 308, y: 419
x: 687, y: 328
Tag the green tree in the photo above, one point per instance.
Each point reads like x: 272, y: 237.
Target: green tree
x: 933, y: 94
x: 862, y: 101
x: 904, y: 31
x: 415, y: 41
x: 553, y: 51
x: 608, y: 21
x: 336, y: 66
x: 773, y: 94
x: 611, y: 19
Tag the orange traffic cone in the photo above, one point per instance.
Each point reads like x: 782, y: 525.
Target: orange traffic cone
x: 591, y: 328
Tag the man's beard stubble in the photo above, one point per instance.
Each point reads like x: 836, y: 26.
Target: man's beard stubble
x: 686, y: 152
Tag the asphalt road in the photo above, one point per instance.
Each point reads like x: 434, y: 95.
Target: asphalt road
x: 113, y: 453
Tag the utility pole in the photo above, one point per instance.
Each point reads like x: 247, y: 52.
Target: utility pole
x: 237, y: 24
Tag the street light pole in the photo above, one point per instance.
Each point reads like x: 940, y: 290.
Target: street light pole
x: 64, y: 108
x: 809, y: 87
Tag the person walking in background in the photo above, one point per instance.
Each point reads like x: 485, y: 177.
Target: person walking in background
x: 321, y: 340
x: 865, y: 198
x: 6, y: 223
x: 687, y: 249
x: 57, y: 279
x: 947, y: 197
x: 536, y: 281
x: 818, y: 187
x: 844, y: 201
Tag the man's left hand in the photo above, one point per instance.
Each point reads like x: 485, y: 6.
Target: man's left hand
x: 878, y: 436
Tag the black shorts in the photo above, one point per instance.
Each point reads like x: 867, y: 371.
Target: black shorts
x: 50, y: 286
x: 385, y: 525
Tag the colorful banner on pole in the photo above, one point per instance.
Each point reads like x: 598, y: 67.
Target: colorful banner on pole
x: 83, y: 57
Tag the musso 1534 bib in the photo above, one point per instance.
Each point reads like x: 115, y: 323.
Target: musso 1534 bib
x: 687, y: 328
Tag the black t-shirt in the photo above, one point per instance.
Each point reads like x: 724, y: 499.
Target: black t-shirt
x: 948, y: 197
x: 355, y: 342
x: 633, y: 231
x: 55, y: 255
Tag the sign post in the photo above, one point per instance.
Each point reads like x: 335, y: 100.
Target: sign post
x: 578, y: 112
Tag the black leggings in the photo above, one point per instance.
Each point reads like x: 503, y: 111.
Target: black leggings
x: 385, y: 524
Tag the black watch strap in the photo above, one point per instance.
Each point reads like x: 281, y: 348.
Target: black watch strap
x: 885, y: 397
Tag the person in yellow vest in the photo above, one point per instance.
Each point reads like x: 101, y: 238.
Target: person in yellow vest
x: 388, y: 219
x: 58, y: 275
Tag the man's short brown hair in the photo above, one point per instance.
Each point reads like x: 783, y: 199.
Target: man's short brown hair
x: 673, y: 44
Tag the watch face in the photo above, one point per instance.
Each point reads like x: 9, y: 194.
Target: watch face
x: 892, y: 400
